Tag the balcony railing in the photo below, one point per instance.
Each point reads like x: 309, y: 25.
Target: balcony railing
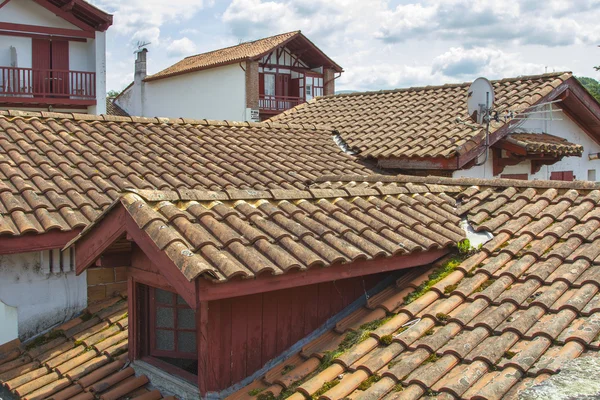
x: 28, y: 84
x: 277, y: 103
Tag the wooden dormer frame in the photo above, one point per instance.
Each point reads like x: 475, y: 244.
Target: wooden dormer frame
x: 150, y: 267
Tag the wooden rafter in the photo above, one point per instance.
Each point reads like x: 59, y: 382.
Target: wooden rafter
x: 66, y: 15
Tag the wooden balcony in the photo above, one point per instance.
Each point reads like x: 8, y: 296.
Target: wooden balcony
x: 268, y: 104
x: 44, y: 87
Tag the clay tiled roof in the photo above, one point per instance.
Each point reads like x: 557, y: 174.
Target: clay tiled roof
x: 543, y: 143
x: 85, y: 358
x: 484, y: 325
x: 113, y: 108
x: 228, y: 55
x: 58, y: 171
x: 222, y: 235
x: 417, y: 122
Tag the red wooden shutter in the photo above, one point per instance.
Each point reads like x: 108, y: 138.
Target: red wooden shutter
x: 261, y: 83
x: 40, y: 63
x: 60, y: 67
x: 562, y: 176
x: 568, y: 176
x: 522, y: 177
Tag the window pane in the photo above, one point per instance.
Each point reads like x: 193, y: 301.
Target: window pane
x: 165, y: 317
x: 163, y: 297
x: 165, y: 340
x: 186, y: 342
x: 269, y: 84
x: 180, y: 300
x: 186, y: 318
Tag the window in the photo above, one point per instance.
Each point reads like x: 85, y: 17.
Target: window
x: 562, y: 176
x: 269, y: 85
x: 591, y: 175
x: 173, y: 330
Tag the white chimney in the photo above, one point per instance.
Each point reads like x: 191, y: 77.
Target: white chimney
x: 138, y: 83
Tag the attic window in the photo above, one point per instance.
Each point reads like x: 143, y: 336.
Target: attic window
x: 173, y: 330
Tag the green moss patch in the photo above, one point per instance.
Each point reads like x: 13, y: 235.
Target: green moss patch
x: 42, y: 340
x: 287, y: 369
x: 255, y: 392
x: 326, y: 386
x: 369, y: 382
x: 465, y: 250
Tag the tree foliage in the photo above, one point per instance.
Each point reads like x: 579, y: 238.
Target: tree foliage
x: 592, y: 85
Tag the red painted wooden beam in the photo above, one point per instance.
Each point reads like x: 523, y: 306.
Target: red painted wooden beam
x: 46, y: 101
x: 66, y: 15
x: 44, y: 241
x: 46, y: 30
x: 91, y: 246
x: 214, y: 291
x: 168, y: 269
x: 40, y: 36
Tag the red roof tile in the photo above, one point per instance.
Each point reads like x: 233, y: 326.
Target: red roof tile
x: 416, y: 122
x: 222, y: 235
x: 505, y: 318
x: 55, y: 366
x: 241, y: 52
x: 59, y: 171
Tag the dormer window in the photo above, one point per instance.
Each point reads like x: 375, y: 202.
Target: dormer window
x: 172, y: 328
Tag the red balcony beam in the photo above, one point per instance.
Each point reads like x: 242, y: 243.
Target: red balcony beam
x: 8, y: 26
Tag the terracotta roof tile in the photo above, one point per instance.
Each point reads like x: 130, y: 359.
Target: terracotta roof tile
x: 113, y: 108
x: 543, y: 143
x: 58, y: 172
x: 506, y: 318
x: 244, y: 51
x: 60, y: 368
x: 248, y: 234
x: 421, y: 122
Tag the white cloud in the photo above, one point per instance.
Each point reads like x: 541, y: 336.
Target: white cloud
x: 181, y: 48
x: 142, y: 19
x: 461, y: 63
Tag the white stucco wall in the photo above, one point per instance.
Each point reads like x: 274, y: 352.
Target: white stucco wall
x: 564, y: 128
x: 23, y: 46
x: 217, y: 93
x: 9, y: 323
x: 41, y: 300
x: 83, y: 56
x: 27, y: 12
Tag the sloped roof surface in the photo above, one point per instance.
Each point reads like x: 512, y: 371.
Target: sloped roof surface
x: 113, y: 108
x: 507, y: 317
x: 543, y: 143
x: 223, y: 235
x: 241, y: 52
x: 416, y: 122
x: 58, y: 171
x: 85, y: 358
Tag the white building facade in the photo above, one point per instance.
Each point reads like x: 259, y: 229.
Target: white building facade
x: 556, y: 123
x: 53, y: 58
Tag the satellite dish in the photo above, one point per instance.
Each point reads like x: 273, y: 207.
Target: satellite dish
x: 480, y: 99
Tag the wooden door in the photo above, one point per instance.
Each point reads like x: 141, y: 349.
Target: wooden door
x: 60, y: 69
x: 41, y: 64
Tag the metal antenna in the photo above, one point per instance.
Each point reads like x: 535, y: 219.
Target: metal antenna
x: 141, y: 45
x: 486, y: 118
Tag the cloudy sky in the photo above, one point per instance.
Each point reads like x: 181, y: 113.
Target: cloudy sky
x: 380, y: 44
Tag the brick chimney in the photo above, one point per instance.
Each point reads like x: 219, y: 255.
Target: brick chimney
x: 138, y: 83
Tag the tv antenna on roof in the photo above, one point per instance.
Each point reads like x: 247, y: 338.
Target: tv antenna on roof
x: 480, y: 103
x: 480, y: 106
x: 141, y: 45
